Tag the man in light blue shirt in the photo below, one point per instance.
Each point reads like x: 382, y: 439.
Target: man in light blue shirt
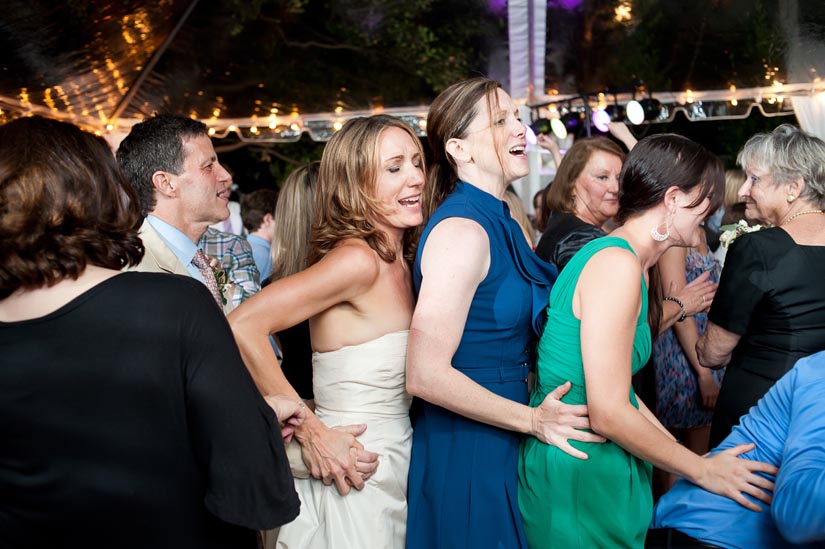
x: 258, y: 215
x: 788, y: 428
x: 182, y: 188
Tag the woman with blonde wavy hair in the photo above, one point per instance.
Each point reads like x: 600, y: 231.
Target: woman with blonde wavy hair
x: 293, y: 221
x: 292, y: 234
x: 357, y: 295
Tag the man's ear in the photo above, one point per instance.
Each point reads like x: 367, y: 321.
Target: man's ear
x: 457, y: 148
x: 163, y: 184
x: 267, y: 220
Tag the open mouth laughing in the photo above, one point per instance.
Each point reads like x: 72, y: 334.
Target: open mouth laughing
x: 410, y: 201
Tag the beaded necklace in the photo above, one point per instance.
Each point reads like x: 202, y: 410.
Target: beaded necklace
x: 803, y: 212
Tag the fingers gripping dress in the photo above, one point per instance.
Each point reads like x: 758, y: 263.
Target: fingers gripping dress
x: 463, y: 484
x: 606, y: 500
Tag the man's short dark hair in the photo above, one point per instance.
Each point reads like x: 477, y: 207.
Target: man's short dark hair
x: 155, y: 145
x: 255, y: 205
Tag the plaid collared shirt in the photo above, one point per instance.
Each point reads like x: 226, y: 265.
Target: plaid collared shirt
x: 235, y: 255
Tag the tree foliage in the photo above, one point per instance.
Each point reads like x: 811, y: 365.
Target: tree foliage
x: 706, y: 44
x: 319, y: 55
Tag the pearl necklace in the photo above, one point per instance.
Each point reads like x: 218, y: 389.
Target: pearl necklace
x: 803, y: 212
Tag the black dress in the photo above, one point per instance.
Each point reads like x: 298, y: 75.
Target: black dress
x: 772, y: 293
x: 296, y: 347
x: 128, y: 419
x: 564, y: 235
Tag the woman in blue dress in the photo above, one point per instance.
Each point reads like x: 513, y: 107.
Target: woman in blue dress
x: 481, y: 294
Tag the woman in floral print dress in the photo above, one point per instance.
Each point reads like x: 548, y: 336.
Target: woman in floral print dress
x: 685, y: 391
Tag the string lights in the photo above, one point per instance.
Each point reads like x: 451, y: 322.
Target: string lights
x: 563, y: 113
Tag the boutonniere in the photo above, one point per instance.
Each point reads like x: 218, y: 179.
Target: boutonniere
x: 222, y: 278
x: 732, y: 232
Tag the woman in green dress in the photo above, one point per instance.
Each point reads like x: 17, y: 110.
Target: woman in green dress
x: 597, y: 335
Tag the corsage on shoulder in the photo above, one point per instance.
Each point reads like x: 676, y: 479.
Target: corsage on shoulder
x: 732, y: 232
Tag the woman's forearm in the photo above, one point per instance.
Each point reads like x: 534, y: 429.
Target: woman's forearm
x: 431, y: 377
x: 688, y: 335
x: 260, y: 360
x: 651, y: 417
x: 671, y: 312
x: 630, y: 429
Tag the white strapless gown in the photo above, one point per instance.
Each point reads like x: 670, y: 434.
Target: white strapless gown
x: 360, y: 384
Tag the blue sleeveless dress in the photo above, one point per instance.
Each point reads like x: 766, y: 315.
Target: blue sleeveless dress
x: 463, y: 474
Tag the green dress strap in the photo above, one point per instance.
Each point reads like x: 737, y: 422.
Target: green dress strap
x: 562, y: 293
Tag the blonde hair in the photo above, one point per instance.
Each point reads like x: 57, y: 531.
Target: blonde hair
x: 345, y: 200
x: 293, y: 222
x: 517, y: 212
x: 734, y: 179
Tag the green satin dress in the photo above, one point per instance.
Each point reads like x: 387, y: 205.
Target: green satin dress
x: 605, y: 501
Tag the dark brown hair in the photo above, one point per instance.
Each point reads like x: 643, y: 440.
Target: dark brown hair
x: 345, y: 200
x: 560, y: 196
x: 654, y: 165
x: 451, y: 113
x: 63, y: 205
x: 666, y: 160
x: 156, y: 144
x: 255, y: 205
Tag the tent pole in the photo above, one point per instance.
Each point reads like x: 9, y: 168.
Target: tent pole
x: 147, y: 70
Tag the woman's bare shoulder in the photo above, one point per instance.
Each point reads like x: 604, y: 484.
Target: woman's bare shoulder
x: 354, y: 257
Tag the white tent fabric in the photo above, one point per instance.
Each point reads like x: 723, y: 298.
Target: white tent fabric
x: 527, y: 22
x: 810, y: 112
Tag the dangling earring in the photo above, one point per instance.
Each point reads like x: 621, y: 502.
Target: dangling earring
x: 661, y: 237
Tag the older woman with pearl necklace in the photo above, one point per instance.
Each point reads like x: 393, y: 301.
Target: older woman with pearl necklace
x: 770, y: 308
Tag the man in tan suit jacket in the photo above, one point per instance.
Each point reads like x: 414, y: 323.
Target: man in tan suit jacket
x: 182, y: 189
x: 159, y: 258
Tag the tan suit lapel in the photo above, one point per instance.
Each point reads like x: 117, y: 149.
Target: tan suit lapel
x: 158, y: 258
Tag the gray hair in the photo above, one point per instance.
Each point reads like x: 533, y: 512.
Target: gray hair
x: 787, y: 153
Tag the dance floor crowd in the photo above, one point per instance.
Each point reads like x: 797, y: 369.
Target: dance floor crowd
x: 392, y: 354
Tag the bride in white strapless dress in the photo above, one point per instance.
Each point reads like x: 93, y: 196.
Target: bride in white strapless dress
x: 353, y: 283
x: 359, y: 384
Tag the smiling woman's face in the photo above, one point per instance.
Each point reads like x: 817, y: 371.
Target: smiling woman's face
x: 497, y: 141
x: 597, y: 188
x: 764, y: 200
x: 400, y: 180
